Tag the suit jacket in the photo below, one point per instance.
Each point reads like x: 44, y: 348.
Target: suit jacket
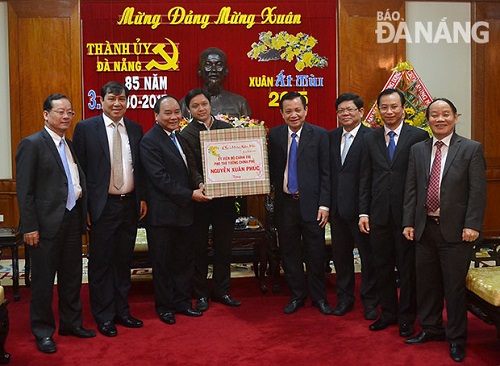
x: 345, y: 178
x: 313, y: 167
x: 463, y: 188
x: 382, y: 181
x: 42, y: 185
x: 92, y: 148
x: 170, y: 182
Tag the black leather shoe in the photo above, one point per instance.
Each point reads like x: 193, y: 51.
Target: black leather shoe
x: 227, y: 300
x: 424, y: 337
x: 79, y: 332
x: 457, y: 351
x: 202, y: 304
x: 406, y: 330
x: 168, y: 318
x: 108, y: 329
x: 129, y: 321
x: 380, y: 325
x: 324, y: 307
x: 370, y: 313
x: 342, y: 309
x: 191, y: 312
x: 293, y: 306
x: 46, y: 345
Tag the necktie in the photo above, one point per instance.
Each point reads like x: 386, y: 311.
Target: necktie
x: 392, y: 144
x: 174, y: 140
x: 71, y: 200
x: 293, y: 184
x: 117, y: 158
x: 347, y: 145
x: 433, y: 188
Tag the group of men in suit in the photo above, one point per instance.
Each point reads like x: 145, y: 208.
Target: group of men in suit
x: 64, y: 189
x: 374, y: 188
x: 368, y: 184
x: 106, y: 181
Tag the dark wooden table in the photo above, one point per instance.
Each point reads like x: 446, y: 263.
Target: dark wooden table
x: 12, y: 239
x: 250, y: 245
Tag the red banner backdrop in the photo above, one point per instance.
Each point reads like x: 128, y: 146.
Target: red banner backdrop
x: 153, y: 48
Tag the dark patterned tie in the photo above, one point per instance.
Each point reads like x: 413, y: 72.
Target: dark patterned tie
x: 433, y: 188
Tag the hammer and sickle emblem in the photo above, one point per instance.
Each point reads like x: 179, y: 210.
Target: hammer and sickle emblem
x: 170, y: 62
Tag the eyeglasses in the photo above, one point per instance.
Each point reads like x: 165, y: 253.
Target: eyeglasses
x: 386, y: 108
x: 347, y: 110
x: 61, y: 113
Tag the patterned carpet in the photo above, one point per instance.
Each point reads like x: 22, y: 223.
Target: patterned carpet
x: 138, y: 274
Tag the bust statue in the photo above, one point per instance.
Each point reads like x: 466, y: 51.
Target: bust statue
x: 212, y: 68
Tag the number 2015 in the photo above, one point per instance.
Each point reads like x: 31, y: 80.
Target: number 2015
x: 274, y: 97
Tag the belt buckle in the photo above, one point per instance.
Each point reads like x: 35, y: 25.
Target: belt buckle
x: 295, y: 196
x: 122, y: 197
x: 435, y: 220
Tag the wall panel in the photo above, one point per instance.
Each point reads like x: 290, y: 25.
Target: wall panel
x: 485, y: 112
x: 365, y: 65
x: 44, y: 58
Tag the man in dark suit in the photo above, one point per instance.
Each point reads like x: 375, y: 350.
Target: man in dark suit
x: 173, y: 184
x: 382, y: 180
x: 108, y: 148
x: 445, y: 199
x: 220, y: 213
x: 52, y: 195
x: 299, y: 165
x: 346, y: 144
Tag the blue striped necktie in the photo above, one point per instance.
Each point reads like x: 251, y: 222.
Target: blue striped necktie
x: 293, y: 183
x: 392, y: 144
x: 71, y: 200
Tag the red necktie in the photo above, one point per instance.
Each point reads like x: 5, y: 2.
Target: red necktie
x: 433, y: 188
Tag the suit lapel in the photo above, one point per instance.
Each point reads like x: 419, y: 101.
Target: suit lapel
x: 455, y: 144
x: 427, y: 158
x: 305, y: 136
x: 102, y: 136
x: 337, y: 141
x: 283, y: 140
x: 402, y: 141
x: 170, y: 143
x: 53, y: 149
x: 380, y: 141
x: 356, y: 144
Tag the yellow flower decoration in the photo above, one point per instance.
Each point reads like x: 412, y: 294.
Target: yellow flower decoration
x: 285, y: 46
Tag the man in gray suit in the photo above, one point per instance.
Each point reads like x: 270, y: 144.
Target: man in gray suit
x: 445, y: 199
x: 299, y: 165
x: 52, y: 195
x: 346, y: 150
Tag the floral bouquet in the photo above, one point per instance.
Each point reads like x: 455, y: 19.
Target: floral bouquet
x: 240, y: 122
x: 415, y: 106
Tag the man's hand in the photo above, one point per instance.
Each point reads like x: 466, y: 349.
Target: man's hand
x: 409, y: 232
x: 198, y: 196
x: 322, y: 217
x: 469, y: 234
x: 32, y: 238
x: 143, y: 210
x: 364, y: 224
